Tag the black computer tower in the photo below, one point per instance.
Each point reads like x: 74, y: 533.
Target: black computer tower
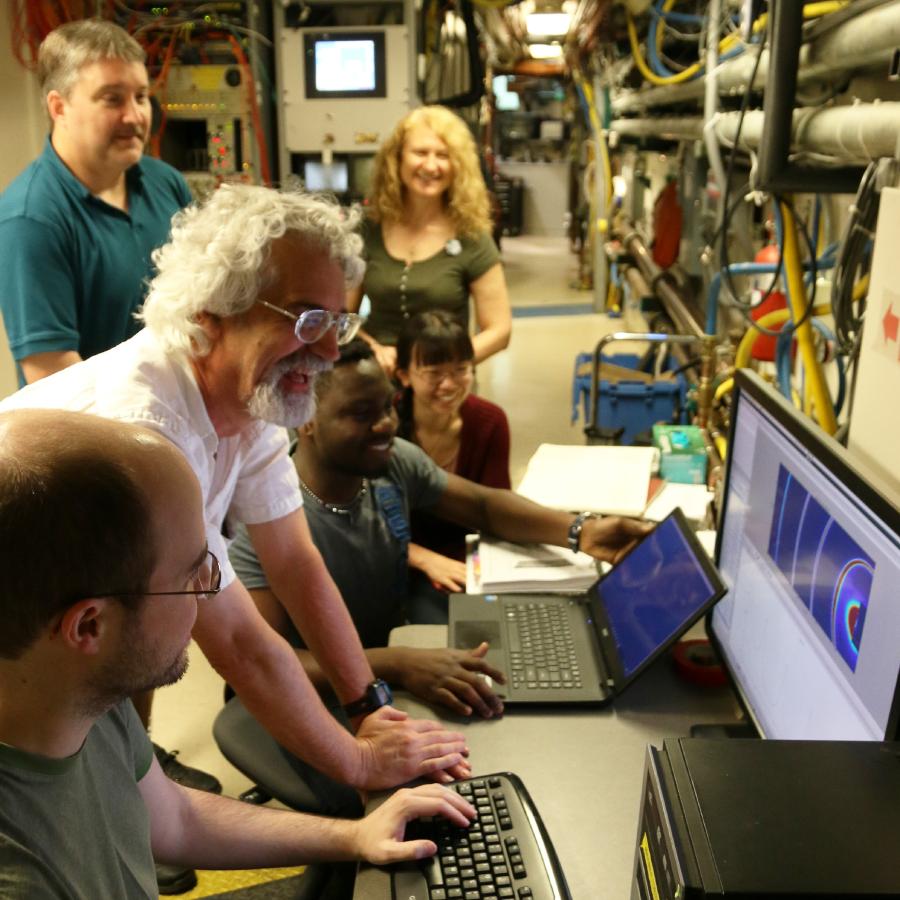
x: 769, y: 819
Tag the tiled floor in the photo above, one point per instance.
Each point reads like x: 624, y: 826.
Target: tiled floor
x: 531, y: 381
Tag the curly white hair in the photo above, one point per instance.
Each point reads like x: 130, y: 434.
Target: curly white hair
x: 215, y: 260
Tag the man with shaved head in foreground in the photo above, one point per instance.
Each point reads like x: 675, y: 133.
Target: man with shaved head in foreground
x: 103, y: 562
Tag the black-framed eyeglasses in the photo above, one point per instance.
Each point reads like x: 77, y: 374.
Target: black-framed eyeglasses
x: 207, y: 580
x: 312, y: 324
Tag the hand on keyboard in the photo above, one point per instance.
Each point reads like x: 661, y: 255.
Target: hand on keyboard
x: 382, y: 834
x: 453, y: 678
x: 396, y: 748
x: 504, y: 854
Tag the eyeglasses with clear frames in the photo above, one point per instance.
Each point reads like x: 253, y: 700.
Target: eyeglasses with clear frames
x: 312, y: 324
x: 207, y: 578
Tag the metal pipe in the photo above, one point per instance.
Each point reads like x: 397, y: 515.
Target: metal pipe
x: 858, y: 133
x: 661, y: 286
x: 866, y: 40
x: 711, y: 105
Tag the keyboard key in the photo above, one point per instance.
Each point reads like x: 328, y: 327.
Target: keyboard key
x: 519, y: 872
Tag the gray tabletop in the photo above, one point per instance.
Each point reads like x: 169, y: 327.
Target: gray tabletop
x: 583, y: 768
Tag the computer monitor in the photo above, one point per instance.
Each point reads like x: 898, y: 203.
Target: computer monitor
x: 319, y: 176
x: 810, y: 551
x: 344, y: 64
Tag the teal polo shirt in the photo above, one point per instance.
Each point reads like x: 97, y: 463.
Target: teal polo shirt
x: 73, y: 269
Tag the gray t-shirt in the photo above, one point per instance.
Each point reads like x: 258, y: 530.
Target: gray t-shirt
x: 365, y: 551
x: 78, y: 827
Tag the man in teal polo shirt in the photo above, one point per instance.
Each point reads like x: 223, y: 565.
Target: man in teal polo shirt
x: 77, y: 227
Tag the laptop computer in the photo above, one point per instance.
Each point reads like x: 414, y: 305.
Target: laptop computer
x: 588, y: 648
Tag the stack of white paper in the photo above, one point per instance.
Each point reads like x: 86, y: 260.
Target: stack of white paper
x: 589, y: 478
x: 694, y: 500
x: 498, y: 567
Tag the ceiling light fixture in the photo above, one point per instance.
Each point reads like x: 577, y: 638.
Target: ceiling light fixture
x: 545, y: 51
x: 548, y: 24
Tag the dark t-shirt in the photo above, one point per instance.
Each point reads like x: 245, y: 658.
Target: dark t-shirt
x: 77, y: 828
x: 365, y: 551
x: 398, y: 291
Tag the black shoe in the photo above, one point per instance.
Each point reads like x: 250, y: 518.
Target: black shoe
x: 174, y: 880
x: 192, y: 778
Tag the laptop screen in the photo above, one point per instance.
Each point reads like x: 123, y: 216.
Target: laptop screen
x: 655, y: 592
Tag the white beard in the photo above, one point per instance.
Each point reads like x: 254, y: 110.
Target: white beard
x: 270, y: 404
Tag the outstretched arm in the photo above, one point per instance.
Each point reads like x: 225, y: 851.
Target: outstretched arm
x: 200, y: 830
x: 389, y: 748
x: 297, y: 575
x: 512, y: 517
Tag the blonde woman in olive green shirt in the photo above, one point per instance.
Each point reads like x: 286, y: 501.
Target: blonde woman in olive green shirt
x: 428, y: 241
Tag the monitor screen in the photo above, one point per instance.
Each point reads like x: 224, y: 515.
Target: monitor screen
x: 319, y: 176
x: 344, y: 64
x: 656, y: 592
x: 810, y: 552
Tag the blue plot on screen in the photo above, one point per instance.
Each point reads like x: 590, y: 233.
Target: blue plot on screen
x: 826, y: 567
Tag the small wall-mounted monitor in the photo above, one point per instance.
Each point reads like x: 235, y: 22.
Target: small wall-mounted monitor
x: 319, y: 176
x: 344, y: 64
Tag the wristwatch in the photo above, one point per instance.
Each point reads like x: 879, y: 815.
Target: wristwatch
x: 574, y: 538
x: 377, y: 694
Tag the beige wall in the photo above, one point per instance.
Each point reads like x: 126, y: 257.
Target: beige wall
x: 21, y: 136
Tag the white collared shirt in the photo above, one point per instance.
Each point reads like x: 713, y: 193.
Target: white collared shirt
x: 248, y: 477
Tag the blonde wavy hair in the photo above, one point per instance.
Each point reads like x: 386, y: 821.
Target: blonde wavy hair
x: 466, y: 199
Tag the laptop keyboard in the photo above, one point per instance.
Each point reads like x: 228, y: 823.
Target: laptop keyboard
x: 505, y: 854
x: 541, y: 647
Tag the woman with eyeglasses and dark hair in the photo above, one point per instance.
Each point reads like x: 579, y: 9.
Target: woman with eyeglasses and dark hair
x: 462, y: 433
x: 428, y: 236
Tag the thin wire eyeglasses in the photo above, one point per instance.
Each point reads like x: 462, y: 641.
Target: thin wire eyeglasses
x: 434, y: 376
x: 312, y: 324
x: 208, y: 577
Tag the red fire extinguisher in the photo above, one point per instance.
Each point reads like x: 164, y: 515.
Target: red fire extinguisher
x: 764, y: 345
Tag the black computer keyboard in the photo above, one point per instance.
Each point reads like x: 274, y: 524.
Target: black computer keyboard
x: 505, y: 854
x: 541, y: 647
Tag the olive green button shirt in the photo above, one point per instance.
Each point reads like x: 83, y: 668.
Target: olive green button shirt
x: 398, y: 291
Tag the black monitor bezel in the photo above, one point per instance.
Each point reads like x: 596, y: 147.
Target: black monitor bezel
x: 605, y: 632
x: 311, y: 38
x: 837, y: 459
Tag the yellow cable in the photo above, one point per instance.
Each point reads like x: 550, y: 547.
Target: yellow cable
x: 726, y: 386
x: 769, y: 320
x: 815, y: 375
x: 861, y: 288
x: 721, y: 446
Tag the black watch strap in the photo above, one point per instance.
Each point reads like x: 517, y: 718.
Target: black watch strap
x: 377, y: 694
x: 574, y: 538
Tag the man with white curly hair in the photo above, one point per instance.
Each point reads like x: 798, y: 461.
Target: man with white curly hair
x: 247, y: 307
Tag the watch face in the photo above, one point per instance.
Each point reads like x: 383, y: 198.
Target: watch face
x: 381, y: 693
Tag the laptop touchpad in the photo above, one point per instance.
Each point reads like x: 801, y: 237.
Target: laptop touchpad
x: 469, y: 634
